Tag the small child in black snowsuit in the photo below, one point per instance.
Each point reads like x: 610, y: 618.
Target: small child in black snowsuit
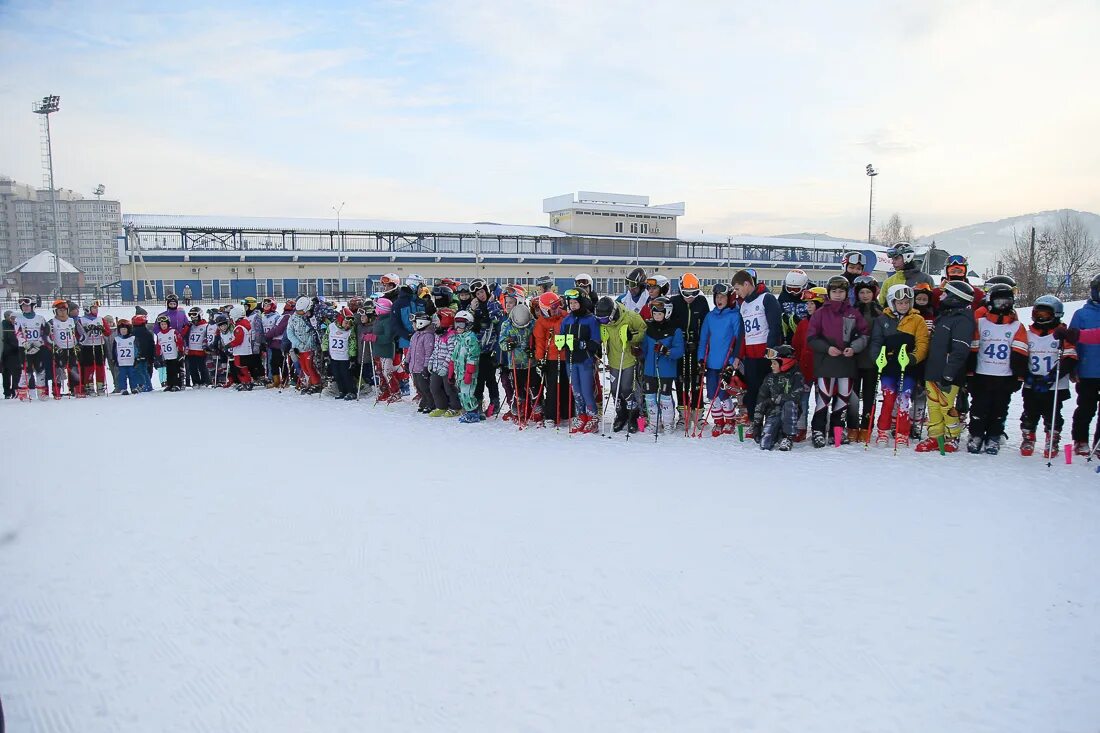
x: 779, y: 401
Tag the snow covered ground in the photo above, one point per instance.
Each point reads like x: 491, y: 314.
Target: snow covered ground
x: 223, y: 561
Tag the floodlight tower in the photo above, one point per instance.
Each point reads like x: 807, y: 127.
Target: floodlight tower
x: 871, y: 173
x: 46, y: 107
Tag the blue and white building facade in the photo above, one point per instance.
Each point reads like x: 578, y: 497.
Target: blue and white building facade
x: 604, y: 235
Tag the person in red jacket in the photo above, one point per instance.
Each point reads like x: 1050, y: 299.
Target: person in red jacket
x: 814, y: 298
x: 240, y: 346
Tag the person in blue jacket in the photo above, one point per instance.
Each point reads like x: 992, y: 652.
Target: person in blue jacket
x: 720, y: 342
x: 579, y: 338
x: 1085, y: 326
x: 662, y: 348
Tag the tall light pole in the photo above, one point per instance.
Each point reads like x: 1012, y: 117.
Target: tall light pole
x: 339, y: 249
x: 871, y: 173
x: 46, y: 107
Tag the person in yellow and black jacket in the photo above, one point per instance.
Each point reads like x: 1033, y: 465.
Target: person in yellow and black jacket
x: 1000, y: 349
x: 948, y: 356
x: 900, y: 325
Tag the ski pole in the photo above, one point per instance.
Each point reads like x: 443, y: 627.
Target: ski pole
x: 880, y: 362
x: 903, y: 361
x: 657, y: 371
x: 697, y: 430
x: 619, y: 377
x: 1054, y: 406
x: 1096, y: 441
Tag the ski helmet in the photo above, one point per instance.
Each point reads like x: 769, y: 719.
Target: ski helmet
x: 1001, y: 280
x: 478, y: 284
x: 288, y: 307
x: 865, y: 282
x: 689, y: 285
x: 236, y: 313
x: 1001, y: 299
x: 1047, y: 303
x: 796, y: 281
x: 139, y: 319
x: 784, y: 354
x: 1094, y: 289
x: 250, y: 303
x: 837, y: 282
x: 219, y: 320
x: 414, y: 281
x: 636, y: 278
x: 463, y: 318
x: 520, y: 315
x: 583, y: 280
x: 660, y: 282
x: 303, y: 304
x: 389, y: 282
x: 170, y: 299
x: 464, y: 289
x: 442, y: 293
x: 163, y: 321
x: 421, y: 321
x: 817, y: 295
x: 853, y: 258
x: 123, y: 323
x: 544, y: 281
x: 956, y: 266
x: 516, y: 291
x: 661, y: 305
x: 901, y: 291
x: 268, y: 305
x: 550, y: 304
x: 957, y: 293
x: 606, y: 310
x: 383, y: 306
x: 25, y: 302
x: 720, y: 289
x: 446, y: 317
x: 344, y: 317
x: 904, y: 250
x: 60, y: 303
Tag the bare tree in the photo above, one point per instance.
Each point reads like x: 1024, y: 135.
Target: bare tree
x: 894, y: 230
x: 1061, y: 261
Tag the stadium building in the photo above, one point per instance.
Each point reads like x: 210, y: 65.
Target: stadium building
x: 603, y: 234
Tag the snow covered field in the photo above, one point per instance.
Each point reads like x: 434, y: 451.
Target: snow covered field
x: 242, y: 562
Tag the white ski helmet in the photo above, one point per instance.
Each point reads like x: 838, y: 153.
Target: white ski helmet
x: 464, y: 317
x: 389, y: 281
x: 236, y: 313
x: 583, y: 277
x: 303, y: 304
x: 796, y: 281
x: 414, y: 281
x: 901, y: 291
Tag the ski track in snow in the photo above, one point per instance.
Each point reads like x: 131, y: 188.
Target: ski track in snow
x: 181, y: 564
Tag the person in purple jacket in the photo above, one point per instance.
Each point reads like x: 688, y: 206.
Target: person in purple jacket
x: 420, y: 349
x: 177, y: 319
x: 837, y: 332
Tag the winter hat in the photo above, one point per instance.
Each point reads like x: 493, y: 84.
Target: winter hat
x: 383, y: 306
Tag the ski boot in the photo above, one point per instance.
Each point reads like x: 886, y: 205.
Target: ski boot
x: 1027, y: 443
x: 719, y: 422
x: 591, y: 424
x: 928, y: 445
x: 632, y: 422
x: 992, y: 446
x: 339, y: 395
x: 785, y: 443
x: 728, y: 427
x: 882, y: 437
x: 468, y: 417
x: 102, y: 390
x: 974, y: 445
x: 577, y: 424
x: 621, y: 416
x: 1080, y: 447
x: 56, y: 391
x: 819, y: 439
x: 24, y: 395
x: 1052, y: 440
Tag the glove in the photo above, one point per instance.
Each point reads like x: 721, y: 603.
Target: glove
x: 370, y: 338
x: 581, y: 346
x: 661, y: 349
x: 451, y: 371
x: 757, y: 432
x: 636, y: 351
x: 702, y: 365
x: 726, y: 374
x: 468, y: 375
x: 509, y: 344
x: 1067, y: 335
x: 542, y: 364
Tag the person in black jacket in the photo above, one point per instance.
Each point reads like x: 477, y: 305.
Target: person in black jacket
x: 688, y: 312
x: 11, y: 363
x: 948, y: 357
x: 143, y: 340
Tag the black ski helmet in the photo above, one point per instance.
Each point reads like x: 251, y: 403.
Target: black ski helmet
x: 838, y: 282
x: 1000, y: 299
x: 1094, y: 289
x: 957, y: 293
x: 636, y: 278
x: 605, y: 308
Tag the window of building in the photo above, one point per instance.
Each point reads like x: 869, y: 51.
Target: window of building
x: 307, y: 288
x: 277, y: 288
x: 261, y: 288
x: 619, y: 227
x: 645, y: 228
x: 331, y: 287
x: 224, y: 290
x: 633, y: 228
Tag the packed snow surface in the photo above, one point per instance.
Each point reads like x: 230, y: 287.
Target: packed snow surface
x: 223, y: 561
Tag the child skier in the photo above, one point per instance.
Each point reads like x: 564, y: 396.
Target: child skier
x: 93, y: 334
x: 444, y: 392
x: 1000, y: 346
x: 813, y: 298
x: 169, y: 349
x: 66, y: 359
x: 662, y: 347
x: 465, y: 354
x: 899, y: 326
x: 1087, y: 322
x: 146, y: 348
x: 339, y: 344
x: 30, y: 333
x: 622, y: 331
x: 779, y: 401
x: 304, y: 343
x: 837, y: 333
x: 863, y: 388
x: 195, y: 337
x: 421, y: 345
x: 581, y: 341
x: 1051, y: 354
x: 516, y: 334
x: 384, y: 346
x: 760, y: 314
x: 557, y: 398
x: 241, y: 347
x: 720, y: 342
x: 948, y: 355
x: 124, y: 354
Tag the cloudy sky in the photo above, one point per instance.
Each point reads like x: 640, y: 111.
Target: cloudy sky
x: 761, y: 116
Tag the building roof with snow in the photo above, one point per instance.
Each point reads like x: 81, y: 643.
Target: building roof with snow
x: 348, y: 226
x: 41, y: 263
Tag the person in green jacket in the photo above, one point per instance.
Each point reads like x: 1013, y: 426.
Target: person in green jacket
x: 465, y: 356
x: 382, y: 348
x: 622, y: 331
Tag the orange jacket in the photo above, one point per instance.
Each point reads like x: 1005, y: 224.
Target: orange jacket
x: 546, y: 328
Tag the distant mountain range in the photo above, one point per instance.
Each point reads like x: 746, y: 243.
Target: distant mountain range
x: 983, y: 242
x: 812, y: 235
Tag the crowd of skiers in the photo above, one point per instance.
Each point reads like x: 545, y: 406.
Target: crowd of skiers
x: 810, y: 363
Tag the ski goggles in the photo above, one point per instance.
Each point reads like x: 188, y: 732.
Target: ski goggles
x: 651, y: 282
x: 773, y: 355
x: 689, y: 292
x: 855, y: 258
x: 571, y: 294
x: 721, y: 289
x: 902, y: 293
x: 631, y: 283
x: 959, y: 260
